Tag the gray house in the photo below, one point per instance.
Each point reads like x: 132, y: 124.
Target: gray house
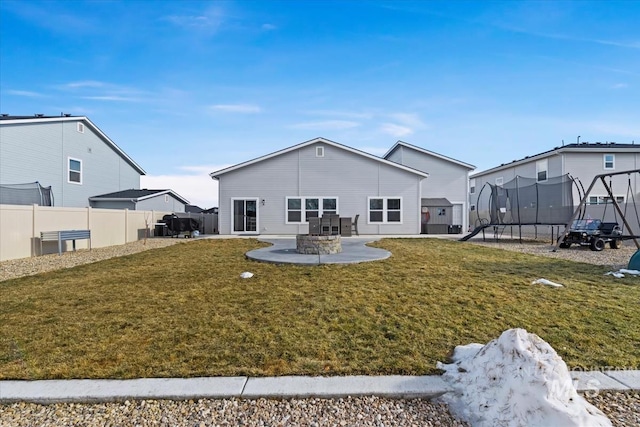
x: 142, y: 200
x: 68, y: 153
x: 279, y: 192
x: 579, y: 161
x: 445, y: 199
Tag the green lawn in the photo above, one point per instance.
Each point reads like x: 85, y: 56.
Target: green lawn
x: 184, y: 311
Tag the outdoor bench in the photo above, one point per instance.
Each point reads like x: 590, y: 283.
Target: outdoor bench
x: 64, y: 235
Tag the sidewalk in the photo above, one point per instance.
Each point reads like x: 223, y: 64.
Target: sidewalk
x: 395, y: 386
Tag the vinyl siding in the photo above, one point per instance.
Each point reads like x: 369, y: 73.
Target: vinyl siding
x: 342, y: 174
x: 39, y: 152
x: 157, y: 203
x: 446, y: 179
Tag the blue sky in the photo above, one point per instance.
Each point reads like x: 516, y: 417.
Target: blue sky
x: 189, y: 87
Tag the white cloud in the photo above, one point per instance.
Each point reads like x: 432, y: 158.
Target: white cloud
x: 620, y: 86
x: 84, y: 83
x: 112, y: 98
x: 26, y: 93
x: 209, y: 20
x: 395, y: 130
x: 326, y: 125
x: 408, y: 119
x: 269, y: 27
x: 237, y: 108
x: 376, y: 151
x: 195, y: 184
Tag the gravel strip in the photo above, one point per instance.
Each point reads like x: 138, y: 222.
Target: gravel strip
x: 360, y: 411
x: 29, y: 266
x: 612, y: 259
x: 622, y: 408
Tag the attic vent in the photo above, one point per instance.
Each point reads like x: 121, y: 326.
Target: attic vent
x: 319, y: 151
x: 80, y: 127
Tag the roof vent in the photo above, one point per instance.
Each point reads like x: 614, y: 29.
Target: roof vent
x: 5, y: 115
x: 67, y: 115
x: 39, y: 115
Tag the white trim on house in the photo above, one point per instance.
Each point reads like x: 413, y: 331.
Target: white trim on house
x: 431, y: 153
x: 303, y: 207
x: 69, y: 171
x: 216, y: 174
x: 87, y: 122
x: 612, y: 161
x: 385, y: 210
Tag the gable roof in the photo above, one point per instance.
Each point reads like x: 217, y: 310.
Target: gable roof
x: 136, y: 195
x: 583, y: 147
x: 430, y: 153
x: 217, y: 174
x: 6, y: 119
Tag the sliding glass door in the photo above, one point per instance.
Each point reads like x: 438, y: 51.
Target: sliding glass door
x: 245, y: 216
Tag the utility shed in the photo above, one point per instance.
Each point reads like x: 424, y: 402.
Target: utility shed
x: 436, y: 215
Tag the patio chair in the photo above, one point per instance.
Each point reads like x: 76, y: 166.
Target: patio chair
x: 325, y: 225
x: 314, y: 226
x: 335, y: 224
x: 354, y: 225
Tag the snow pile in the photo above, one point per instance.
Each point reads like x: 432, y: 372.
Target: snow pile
x: 515, y: 380
x: 546, y: 282
x: 620, y: 273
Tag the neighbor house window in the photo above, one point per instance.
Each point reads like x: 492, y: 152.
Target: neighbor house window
x: 542, y: 167
x: 319, y: 151
x: 472, y: 185
x: 603, y: 200
x: 442, y: 211
x: 166, y: 198
x: 300, y: 209
x: 499, y: 181
x: 80, y: 127
x: 609, y: 161
x: 75, y: 171
x: 385, y: 210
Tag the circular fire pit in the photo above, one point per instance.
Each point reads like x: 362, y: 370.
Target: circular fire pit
x: 318, y: 245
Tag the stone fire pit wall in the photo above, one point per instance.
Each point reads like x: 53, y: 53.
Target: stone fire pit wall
x: 318, y: 245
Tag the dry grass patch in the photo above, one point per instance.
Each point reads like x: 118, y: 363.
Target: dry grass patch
x: 183, y: 311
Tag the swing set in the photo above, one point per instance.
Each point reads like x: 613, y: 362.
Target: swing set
x: 580, y: 212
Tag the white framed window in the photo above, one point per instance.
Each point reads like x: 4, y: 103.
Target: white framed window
x: 472, y: 186
x: 300, y: 209
x: 499, y: 181
x: 319, y: 151
x: 384, y: 210
x: 442, y: 211
x: 603, y: 200
x: 609, y: 161
x: 80, y: 127
x: 542, y: 170
x: 74, y: 171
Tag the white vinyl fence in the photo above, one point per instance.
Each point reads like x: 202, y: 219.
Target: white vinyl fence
x: 20, y: 227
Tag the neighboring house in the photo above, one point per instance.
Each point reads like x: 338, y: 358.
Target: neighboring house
x: 193, y: 209
x: 68, y: 153
x: 581, y: 161
x: 277, y: 193
x: 141, y: 200
x: 444, y: 199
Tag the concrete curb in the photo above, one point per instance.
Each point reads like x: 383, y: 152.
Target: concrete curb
x: 393, y: 386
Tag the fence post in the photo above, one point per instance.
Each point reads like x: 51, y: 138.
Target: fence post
x: 126, y: 225
x: 33, y: 230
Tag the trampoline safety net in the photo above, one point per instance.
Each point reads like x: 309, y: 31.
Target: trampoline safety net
x: 527, y: 202
x: 26, y: 194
